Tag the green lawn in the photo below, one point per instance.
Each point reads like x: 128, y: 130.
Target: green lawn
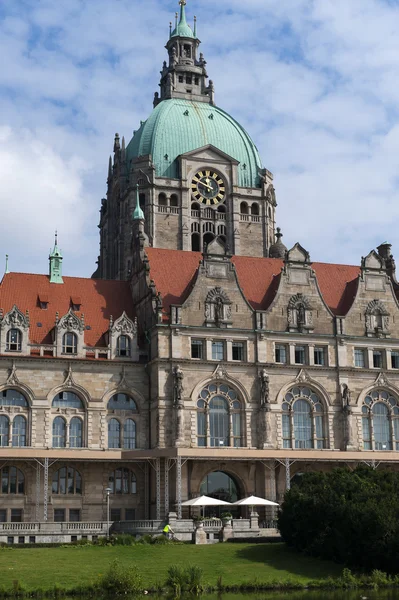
x: 236, y: 563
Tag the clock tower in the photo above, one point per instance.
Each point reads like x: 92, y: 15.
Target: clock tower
x: 191, y: 169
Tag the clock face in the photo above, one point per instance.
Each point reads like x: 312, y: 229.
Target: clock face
x: 208, y: 187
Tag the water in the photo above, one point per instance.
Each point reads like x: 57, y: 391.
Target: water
x: 303, y: 595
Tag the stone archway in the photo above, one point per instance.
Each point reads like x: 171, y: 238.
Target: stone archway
x: 223, y: 486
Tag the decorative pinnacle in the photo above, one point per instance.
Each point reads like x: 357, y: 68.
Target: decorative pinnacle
x: 279, y: 235
x: 7, y: 271
x: 56, y: 238
x: 138, y: 214
x: 182, y: 11
x: 195, y: 26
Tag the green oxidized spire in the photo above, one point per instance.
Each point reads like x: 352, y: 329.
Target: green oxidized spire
x: 55, y: 259
x: 138, y: 214
x: 183, y: 29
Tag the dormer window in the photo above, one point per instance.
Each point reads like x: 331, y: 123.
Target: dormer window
x: 43, y: 301
x: 75, y: 303
x: 14, y: 340
x: 124, y: 346
x: 69, y: 344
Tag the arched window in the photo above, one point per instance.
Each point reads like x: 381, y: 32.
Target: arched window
x: 59, y: 433
x: 142, y: 201
x: 4, y: 430
x: 122, y: 481
x: 122, y: 402
x: 124, y: 346
x: 208, y: 227
x: 12, y: 481
x: 129, y: 434
x: 221, y: 486
x: 67, y: 480
x: 222, y: 230
x: 13, y: 398
x: 195, y: 242
x: 13, y: 340
x: 174, y: 200
x: 195, y: 227
x: 76, y: 433
x: 195, y: 206
x: 114, y: 433
x: 162, y: 200
x: 67, y: 400
x: 208, y: 238
x: 19, y: 431
x: 380, y: 420
x: 219, y: 417
x: 303, y: 419
x: 255, y: 209
x: 270, y: 212
x: 221, y: 208
x: 244, y: 208
x: 69, y: 343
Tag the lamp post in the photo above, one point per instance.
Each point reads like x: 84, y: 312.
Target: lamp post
x: 108, y: 491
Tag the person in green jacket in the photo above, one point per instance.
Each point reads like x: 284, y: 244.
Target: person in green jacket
x: 168, y: 531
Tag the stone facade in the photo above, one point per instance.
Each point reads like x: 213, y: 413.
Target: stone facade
x: 209, y: 362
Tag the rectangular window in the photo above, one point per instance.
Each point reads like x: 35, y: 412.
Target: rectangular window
x: 395, y: 360
x: 281, y: 354
x: 16, y: 515
x: 181, y: 79
x: 189, y: 79
x: 377, y: 359
x: 3, y: 515
x: 217, y: 350
x: 359, y: 357
x: 115, y: 514
x: 130, y: 514
x: 10, y: 540
x: 300, y: 355
x: 59, y: 515
x: 319, y: 356
x: 366, y: 433
x: 74, y: 515
x: 197, y: 81
x: 197, y: 349
x: 201, y: 429
x: 32, y: 539
x: 286, y: 431
x: 238, y: 351
x: 21, y: 539
x: 236, y: 422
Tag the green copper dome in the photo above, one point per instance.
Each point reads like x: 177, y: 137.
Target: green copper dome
x: 179, y: 126
x: 183, y: 29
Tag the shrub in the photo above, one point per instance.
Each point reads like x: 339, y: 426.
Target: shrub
x: 123, y: 539
x: 189, y: 579
x: 120, y: 580
x: 348, y: 517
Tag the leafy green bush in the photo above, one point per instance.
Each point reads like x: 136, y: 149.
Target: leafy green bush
x: 120, y: 580
x: 188, y: 579
x: 351, y: 517
x: 123, y: 539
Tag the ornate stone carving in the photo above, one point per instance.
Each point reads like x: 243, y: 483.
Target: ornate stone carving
x: 377, y: 319
x: 302, y: 376
x: 382, y: 380
x: 300, y: 316
x: 69, y: 381
x: 124, y: 325
x: 217, y: 308
x: 71, y: 322
x: 220, y: 372
x: 15, y: 319
x: 12, y: 378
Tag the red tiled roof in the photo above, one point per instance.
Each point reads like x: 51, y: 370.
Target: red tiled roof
x: 173, y: 272
x: 99, y: 300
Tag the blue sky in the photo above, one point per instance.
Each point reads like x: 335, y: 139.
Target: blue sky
x: 315, y: 82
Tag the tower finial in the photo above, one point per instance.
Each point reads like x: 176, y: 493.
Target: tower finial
x: 56, y: 238
x: 55, y: 260
x: 195, y: 26
x: 182, y: 12
x: 170, y: 29
x: 6, y: 270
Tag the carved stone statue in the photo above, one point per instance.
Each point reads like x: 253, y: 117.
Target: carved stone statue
x: 301, y: 318
x: 346, y: 396
x: 264, y: 387
x: 218, y: 310
x: 178, y: 387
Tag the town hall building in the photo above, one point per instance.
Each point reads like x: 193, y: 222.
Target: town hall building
x: 203, y: 356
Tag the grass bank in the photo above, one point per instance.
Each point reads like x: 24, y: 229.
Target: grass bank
x: 96, y: 571
x: 75, y: 566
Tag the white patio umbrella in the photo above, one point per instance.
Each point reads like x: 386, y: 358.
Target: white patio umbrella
x: 205, y: 501
x: 254, y: 501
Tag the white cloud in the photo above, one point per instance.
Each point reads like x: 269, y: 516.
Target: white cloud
x: 313, y: 81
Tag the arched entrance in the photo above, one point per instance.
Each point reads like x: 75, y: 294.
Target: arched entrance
x: 222, y: 486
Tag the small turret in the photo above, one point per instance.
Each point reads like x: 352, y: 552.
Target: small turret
x: 55, y: 260
x: 278, y: 250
